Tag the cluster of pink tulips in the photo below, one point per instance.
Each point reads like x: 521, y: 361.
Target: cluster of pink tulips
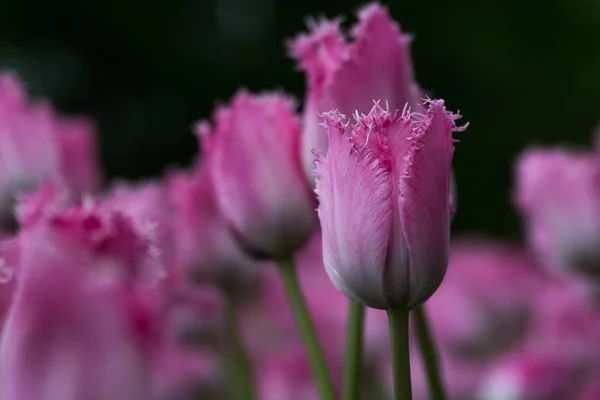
x: 303, y: 256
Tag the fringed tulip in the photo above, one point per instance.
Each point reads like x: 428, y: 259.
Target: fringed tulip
x: 37, y: 144
x: 558, y: 194
x: 253, y: 156
x: 205, y: 247
x: 348, y: 76
x: 83, y: 321
x: 147, y: 205
x: 384, y: 188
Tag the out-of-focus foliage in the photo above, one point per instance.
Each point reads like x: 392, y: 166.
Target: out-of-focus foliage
x: 521, y: 71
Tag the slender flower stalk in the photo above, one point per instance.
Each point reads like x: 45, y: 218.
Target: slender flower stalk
x: 398, y: 320
x: 429, y: 353
x: 354, y: 352
x: 307, y: 330
x: 238, y: 361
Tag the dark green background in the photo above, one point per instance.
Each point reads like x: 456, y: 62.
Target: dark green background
x: 521, y: 71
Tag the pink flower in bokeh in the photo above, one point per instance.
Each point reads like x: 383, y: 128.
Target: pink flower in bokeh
x: 37, y: 144
x: 84, y: 320
x: 253, y: 157
x: 348, y: 76
x: 384, y: 189
x: 558, y: 194
x: 205, y: 247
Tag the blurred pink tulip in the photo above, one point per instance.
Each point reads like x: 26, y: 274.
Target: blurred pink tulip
x: 558, y: 194
x: 253, y: 157
x: 83, y: 324
x: 37, y: 144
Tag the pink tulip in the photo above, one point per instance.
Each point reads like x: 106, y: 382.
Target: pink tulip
x: 253, y: 157
x: 348, y: 76
x: 558, y: 194
x: 83, y: 324
x: 205, y: 247
x: 37, y: 144
x: 384, y: 189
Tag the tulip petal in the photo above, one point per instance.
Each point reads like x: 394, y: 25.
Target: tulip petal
x: 378, y: 65
x: 424, y: 198
x: 355, y: 193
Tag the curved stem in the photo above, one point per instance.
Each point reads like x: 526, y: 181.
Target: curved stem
x: 354, y: 350
x: 307, y: 330
x: 238, y: 360
x: 398, y: 321
x: 428, y: 351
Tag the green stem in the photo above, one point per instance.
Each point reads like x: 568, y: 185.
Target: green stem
x: 354, y: 350
x: 436, y: 386
x: 307, y: 330
x: 398, y: 321
x: 238, y: 360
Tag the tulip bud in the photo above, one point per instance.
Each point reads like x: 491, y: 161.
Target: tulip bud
x: 348, y: 76
x: 557, y: 193
x: 82, y: 324
x: 253, y: 157
x: 37, y: 144
x: 384, y: 189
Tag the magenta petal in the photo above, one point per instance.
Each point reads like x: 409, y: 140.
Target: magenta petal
x: 354, y: 190
x: 424, y: 200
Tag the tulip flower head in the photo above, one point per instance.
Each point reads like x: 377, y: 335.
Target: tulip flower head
x: 348, y: 76
x: 384, y: 193
x: 558, y: 194
x: 37, y: 144
x: 83, y: 319
x: 253, y: 157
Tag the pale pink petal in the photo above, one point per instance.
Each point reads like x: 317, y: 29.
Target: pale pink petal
x: 253, y: 155
x: 355, y: 192
x: 424, y: 199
